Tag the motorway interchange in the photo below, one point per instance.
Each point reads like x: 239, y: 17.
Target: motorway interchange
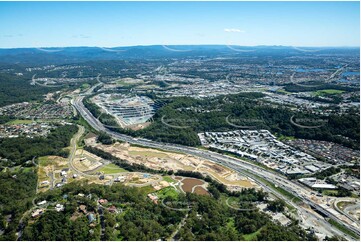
x: 308, y: 217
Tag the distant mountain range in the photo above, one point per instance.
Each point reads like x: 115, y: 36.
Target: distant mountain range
x: 41, y: 56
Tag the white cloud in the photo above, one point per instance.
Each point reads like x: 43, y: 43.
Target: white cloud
x: 234, y: 31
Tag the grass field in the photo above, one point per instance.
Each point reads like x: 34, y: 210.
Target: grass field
x: 20, y: 121
x: 327, y: 92
x: 329, y: 192
x: 129, y: 83
x: 167, y: 192
x: 111, y: 169
x: 343, y: 204
x: 168, y: 179
x: 283, y: 91
x: 85, y: 85
x: 147, y: 189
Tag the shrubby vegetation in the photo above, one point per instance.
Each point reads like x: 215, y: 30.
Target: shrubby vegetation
x: 276, y: 206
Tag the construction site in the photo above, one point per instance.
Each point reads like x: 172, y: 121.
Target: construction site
x: 128, y: 110
x: 157, y: 159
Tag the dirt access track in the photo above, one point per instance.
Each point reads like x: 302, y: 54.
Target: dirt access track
x: 157, y: 159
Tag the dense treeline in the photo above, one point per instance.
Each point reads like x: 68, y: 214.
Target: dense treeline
x: 333, y: 99
x: 326, y: 173
x: 276, y: 205
x: 5, y: 119
x: 16, y: 193
x: 21, y: 149
x: 105, y: 138
x: 141, y: 219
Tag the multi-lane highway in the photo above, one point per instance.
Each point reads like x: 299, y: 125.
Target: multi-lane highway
x: 244, y: 167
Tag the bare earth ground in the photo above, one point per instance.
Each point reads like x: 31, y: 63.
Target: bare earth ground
x: 157, y: 159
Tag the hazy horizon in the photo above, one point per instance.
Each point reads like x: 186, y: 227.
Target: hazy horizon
x: 152, y: 45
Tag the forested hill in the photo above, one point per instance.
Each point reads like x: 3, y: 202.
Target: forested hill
x: 45, y: 56
x: 16, y: 89
x: 140, y: 219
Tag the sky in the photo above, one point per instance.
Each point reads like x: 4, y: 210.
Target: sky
x: 111, y: 24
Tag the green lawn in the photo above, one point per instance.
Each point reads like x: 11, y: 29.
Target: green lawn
x: 327, y: 92
x: 168, y: 179
x: 111, y: 169
x: 85, y: 85
x: 282, y: 91
x: 282, y: 137
x: 28, y: 169
x: 147, y: 189
x: 167, y: 192
x: 20, y: 121
x: 329, y: 192
x: 343, y: 204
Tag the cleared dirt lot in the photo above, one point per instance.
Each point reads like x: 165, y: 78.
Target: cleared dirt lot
x: 189, y: 183
x: 157, y: 159
x: 85, y: 161
x: 201, y: 191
